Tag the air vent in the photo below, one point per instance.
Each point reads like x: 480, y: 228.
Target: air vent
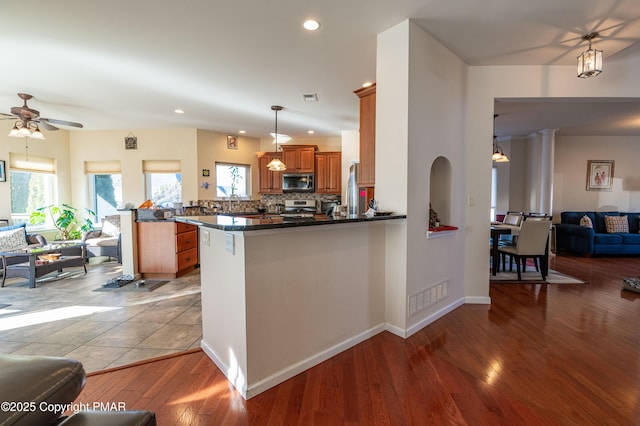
x: 310, y: 97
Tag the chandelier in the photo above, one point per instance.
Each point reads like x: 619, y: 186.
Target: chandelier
x: 26, y: 129
x: 590, y: 61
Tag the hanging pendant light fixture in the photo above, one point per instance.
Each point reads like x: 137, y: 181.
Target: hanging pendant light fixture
x: 276, y: 165
x: 498, y: 155
x: 590, y: 62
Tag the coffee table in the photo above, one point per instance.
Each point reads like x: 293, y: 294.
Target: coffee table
x: 71, y: 254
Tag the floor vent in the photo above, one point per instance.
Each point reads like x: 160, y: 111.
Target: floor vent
x: 427, y: 297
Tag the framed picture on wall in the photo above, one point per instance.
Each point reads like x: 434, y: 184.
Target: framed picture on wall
x: 600, y: 175
x: 3, y: 173
x: 232, y: 142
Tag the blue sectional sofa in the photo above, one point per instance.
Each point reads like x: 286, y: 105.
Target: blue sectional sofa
x: 572, y: 236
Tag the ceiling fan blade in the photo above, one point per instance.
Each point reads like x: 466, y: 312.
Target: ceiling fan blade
x: 9, y: 115
x: 46, y: 125
x: 62, y: 122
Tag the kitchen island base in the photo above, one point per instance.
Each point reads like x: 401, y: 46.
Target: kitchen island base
x: 276, y: 302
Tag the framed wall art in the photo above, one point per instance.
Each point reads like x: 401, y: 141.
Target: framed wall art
x: 232, y: 142
x: 600, y: 175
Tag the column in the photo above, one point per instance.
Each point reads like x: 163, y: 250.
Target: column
x: 545, y: 196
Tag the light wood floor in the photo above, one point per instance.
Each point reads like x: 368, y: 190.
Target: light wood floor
x: 540, y: 354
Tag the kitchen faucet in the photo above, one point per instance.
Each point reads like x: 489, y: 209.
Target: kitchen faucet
x: 237, y: 197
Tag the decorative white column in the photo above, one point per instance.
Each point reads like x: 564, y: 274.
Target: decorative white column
x: 129, y: 245
x: 545, y: 196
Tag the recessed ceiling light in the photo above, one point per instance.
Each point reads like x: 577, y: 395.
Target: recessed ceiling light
x: 178, y: 111
x: 310, y: 132
x: 242, y: 132
x: 311, y: 25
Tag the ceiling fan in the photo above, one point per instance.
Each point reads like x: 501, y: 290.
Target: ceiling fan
x: 28, y: 120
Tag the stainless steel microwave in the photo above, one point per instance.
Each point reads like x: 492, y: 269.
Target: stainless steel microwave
x: 298, y: 182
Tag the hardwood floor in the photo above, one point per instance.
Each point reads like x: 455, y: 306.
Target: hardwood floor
x: 540, y: 354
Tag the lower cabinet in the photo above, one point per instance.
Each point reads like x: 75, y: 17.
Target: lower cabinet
x: 166, y: 249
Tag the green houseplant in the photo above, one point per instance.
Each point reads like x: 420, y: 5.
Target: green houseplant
x: 65, y: 220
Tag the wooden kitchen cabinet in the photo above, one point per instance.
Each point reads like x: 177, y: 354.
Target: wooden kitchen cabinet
x: 367, y: 168
x: 166, y: 250
x: 299, y: 158
x: 328, y: 172
x: 270, y: 182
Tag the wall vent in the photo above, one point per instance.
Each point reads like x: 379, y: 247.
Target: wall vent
x: 428, y: 297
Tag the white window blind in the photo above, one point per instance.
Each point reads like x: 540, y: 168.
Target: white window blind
x: 32, y: 163
x: 161, y: 166
x: 102, y: 167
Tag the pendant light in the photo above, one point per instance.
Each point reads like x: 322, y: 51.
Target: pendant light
x: 276, y: 165
x: 498, y: 155
x: 590, y: 62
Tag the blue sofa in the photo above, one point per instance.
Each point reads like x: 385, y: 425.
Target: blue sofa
x: 573, y: 237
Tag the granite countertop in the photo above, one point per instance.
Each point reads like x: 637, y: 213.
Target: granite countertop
x: 257, y: 222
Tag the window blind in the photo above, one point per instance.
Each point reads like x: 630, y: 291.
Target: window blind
x: 102, y: 167
x: 161, y: 166
x: 31, y: 163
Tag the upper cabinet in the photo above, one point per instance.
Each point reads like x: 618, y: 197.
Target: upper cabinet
x: 328, y: 172
x: 299, y: 158
x: 270, y: 182
x: 367, y: 168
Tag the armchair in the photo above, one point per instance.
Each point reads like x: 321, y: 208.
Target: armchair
x: 105, y: 241
x: 42, y: 388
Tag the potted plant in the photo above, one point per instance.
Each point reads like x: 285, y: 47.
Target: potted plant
x: 64, y: 219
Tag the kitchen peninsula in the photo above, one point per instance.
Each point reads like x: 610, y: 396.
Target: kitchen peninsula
x: 280, y: 296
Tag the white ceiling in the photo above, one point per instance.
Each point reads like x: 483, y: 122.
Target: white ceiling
x: 127, y: 64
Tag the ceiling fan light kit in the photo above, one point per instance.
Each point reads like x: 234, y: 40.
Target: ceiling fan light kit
x: 29, y: 121
x: 590, y: 61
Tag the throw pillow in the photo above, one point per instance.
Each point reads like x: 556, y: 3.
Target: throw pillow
x: 13, y: 239
x: 616, y: 224
x: 111, y: 226
x: 586, y: 221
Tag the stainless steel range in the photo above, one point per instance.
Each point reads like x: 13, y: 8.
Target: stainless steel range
x: 299, y: 209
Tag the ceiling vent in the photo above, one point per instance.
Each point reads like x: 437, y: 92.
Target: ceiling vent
x: 310, y: 97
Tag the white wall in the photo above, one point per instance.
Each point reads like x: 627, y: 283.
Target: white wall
x: 212, y: 148
x: 420, y: 110
x: 570, y: 174
x: 153, y: 144
x: 488, y: 83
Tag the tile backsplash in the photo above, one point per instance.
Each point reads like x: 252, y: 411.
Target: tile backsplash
x: 222, y: 206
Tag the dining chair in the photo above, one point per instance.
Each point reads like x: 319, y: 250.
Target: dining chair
x: 533, y: 242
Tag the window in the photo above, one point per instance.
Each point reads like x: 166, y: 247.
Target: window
x: 106, y: 193
x: 232, y: 179
x: 33, y: 185
x: 163, y: 179
x: 105, y: 185
x: 494, y: 193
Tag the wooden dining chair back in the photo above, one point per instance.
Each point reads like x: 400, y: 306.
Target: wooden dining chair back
x: 533, y: 242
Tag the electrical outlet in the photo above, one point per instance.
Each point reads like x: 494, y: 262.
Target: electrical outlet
x: 229, y: 243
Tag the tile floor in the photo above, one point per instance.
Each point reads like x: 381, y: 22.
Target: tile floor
x: 102, y: 329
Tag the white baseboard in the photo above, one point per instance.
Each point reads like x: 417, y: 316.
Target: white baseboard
x: 433, y: 317
x: 250, y: 390
x: 477, y: 300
